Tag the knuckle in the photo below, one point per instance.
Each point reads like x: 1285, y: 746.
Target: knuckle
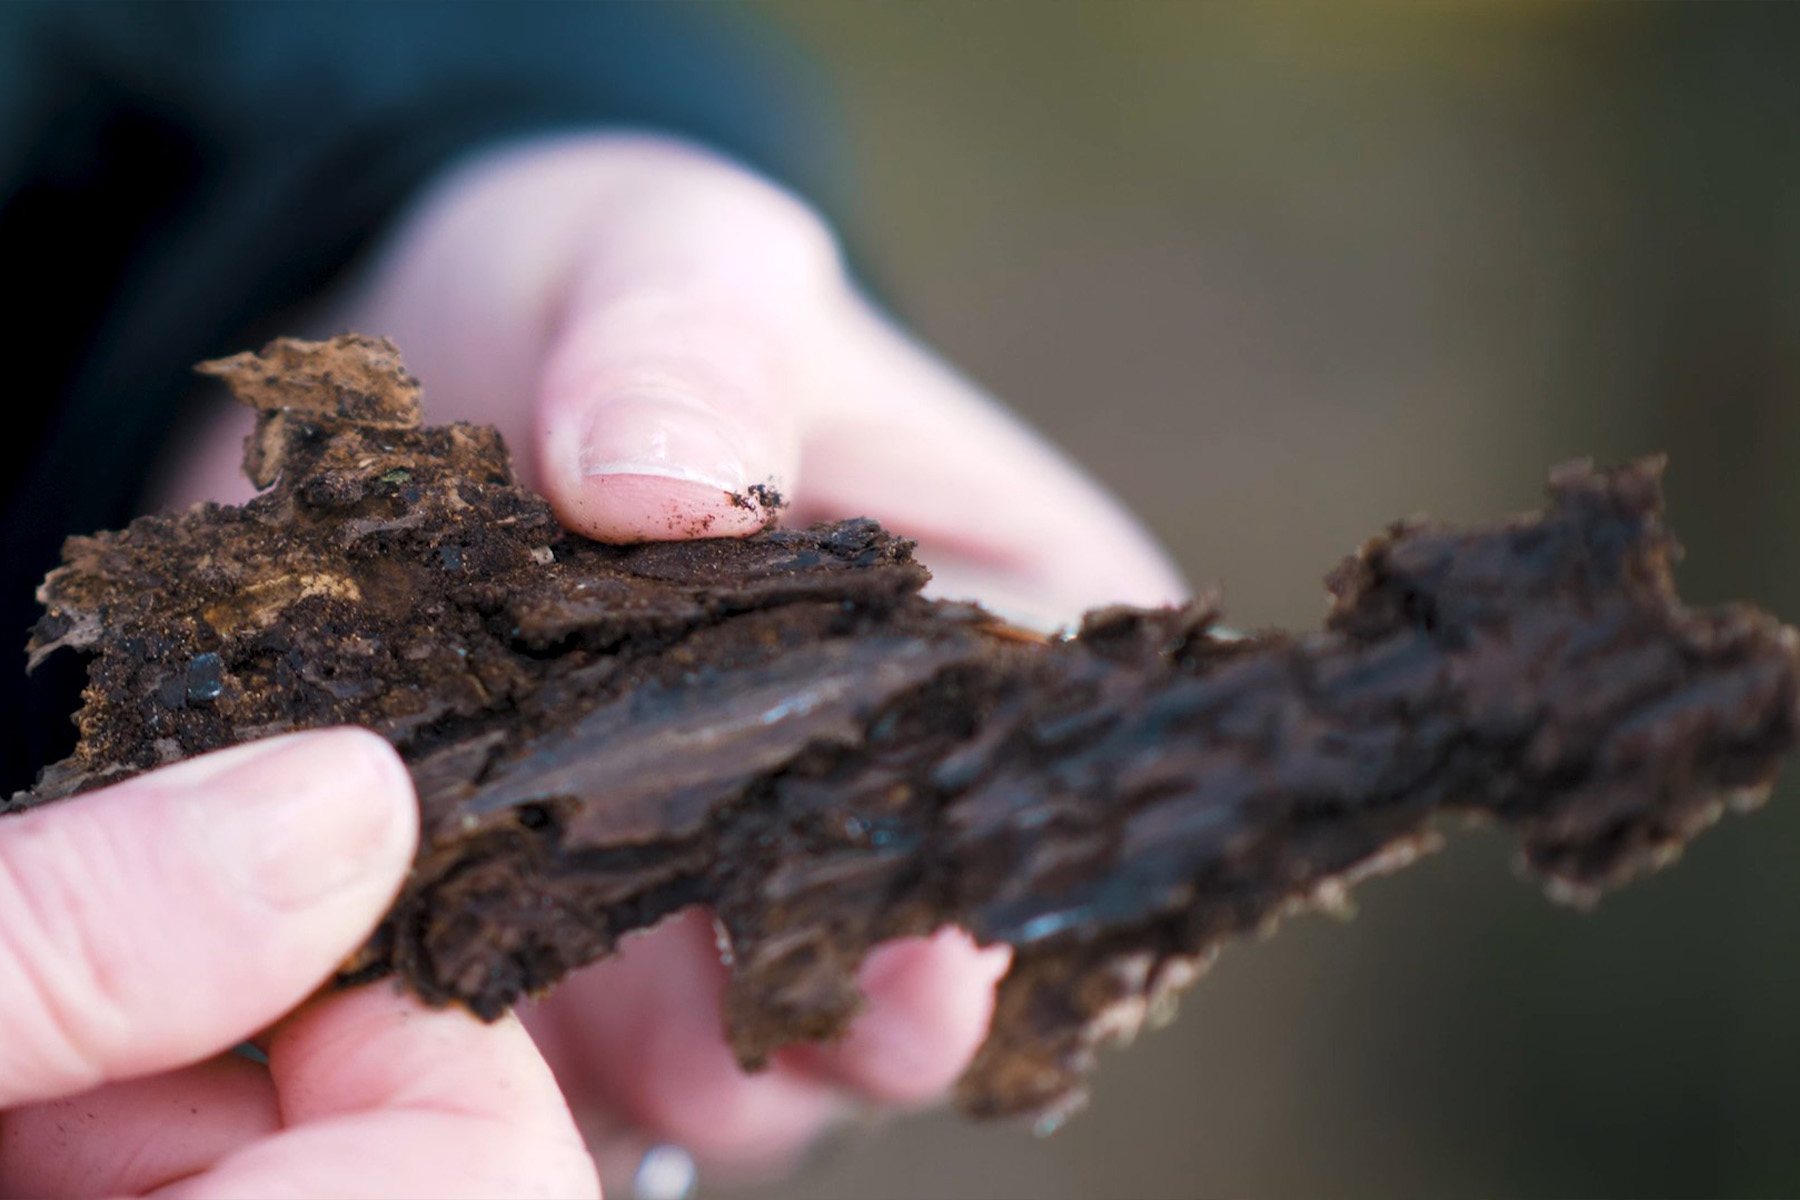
x: 710, y: 196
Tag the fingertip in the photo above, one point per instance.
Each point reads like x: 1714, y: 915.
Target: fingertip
x: 929, y: 1004
x: 627, y: 506
x: 320, y: 825
x: 375, y: 753
x: 390, y: 788
x: 384, y: 813
x: 662, y: 403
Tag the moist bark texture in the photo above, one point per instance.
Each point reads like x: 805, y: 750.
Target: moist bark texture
x: 781, y: 728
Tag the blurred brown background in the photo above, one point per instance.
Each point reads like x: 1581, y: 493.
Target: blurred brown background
x: 1278, y: 274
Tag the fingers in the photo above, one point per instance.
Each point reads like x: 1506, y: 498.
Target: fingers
x: 640, y: 1036
x: 164, y: 919
x: 656, y: 332
x: 383, y: 1097
x: 126, y: 1139
x: 709, y: 342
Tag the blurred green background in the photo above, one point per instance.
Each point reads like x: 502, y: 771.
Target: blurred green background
x: 1278, y: 274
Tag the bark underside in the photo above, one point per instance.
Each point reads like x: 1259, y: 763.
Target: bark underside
x: 782, y: 729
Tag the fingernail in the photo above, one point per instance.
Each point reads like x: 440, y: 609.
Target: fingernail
x: 294, y: 820
x: 672, y: 437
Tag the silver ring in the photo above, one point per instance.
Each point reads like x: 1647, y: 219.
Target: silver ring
x: 666, y: 1172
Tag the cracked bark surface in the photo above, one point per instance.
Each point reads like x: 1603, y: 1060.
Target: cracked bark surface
x: 781, y: 728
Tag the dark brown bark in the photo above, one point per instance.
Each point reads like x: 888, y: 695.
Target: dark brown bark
x: 782, y: 729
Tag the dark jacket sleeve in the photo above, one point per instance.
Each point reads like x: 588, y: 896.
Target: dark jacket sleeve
x: 174, y: 178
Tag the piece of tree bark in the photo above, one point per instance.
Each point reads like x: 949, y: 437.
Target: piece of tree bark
x: 782, y: 729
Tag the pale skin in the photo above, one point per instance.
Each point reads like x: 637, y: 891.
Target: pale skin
x: 652, y: 329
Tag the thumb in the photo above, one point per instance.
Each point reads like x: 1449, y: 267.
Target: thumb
x: 674, y: 378
x: 169, y: 917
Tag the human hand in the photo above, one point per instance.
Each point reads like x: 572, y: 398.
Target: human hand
x: 148, y: 928
x: 655, y: 331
